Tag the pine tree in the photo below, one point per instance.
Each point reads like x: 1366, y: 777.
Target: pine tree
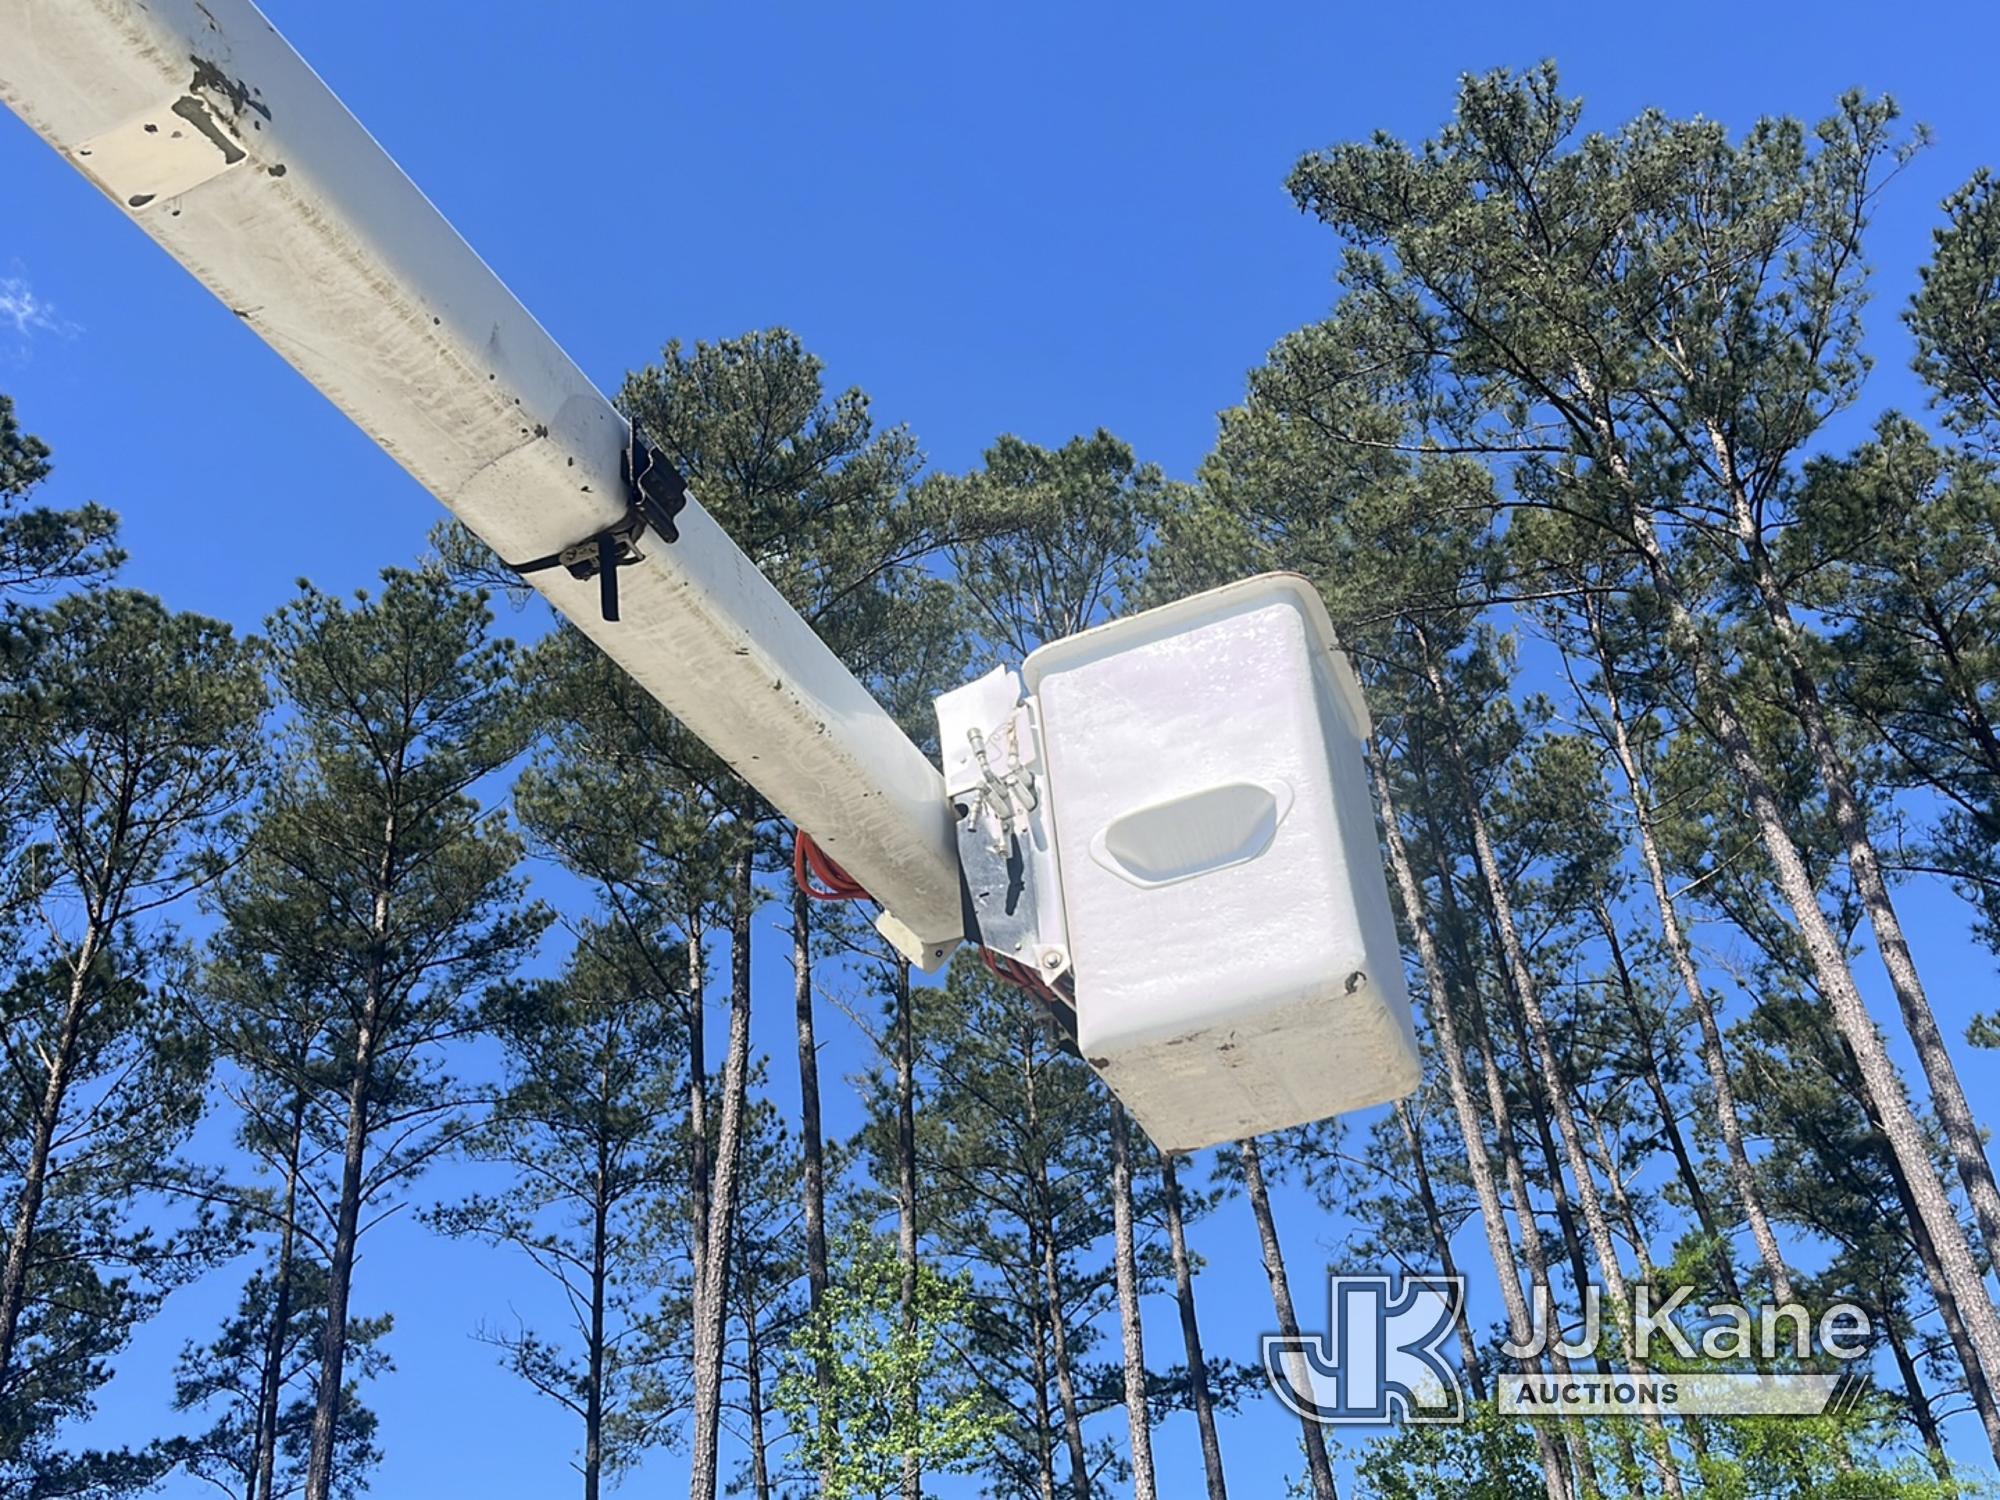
x: 1478, y: 260
x: 1898, y: 545
x: 1956, y: 312
x: 1601, y: 638
x: 1175, y: 1205
x: 268, y: 1020
x: 817, y: 497
x: 624, y: 796
x: 146, y: 734
x: 1309, y: 470
x: 766, y: 1262
x: 1442, y: 1000
x: 1010, y: 1150
x: 1125, y: 1263
x: 586, y: 1128
x: 42, y: 548
x: 249, y: 1453
x: 1249, y: 1164
x: 1829, y: 1169
x: 1048, y: 543
x: 381, y: 894
x: 1414, y: 1232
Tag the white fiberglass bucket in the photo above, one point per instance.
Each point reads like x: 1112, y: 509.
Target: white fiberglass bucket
x: 1235, y: 956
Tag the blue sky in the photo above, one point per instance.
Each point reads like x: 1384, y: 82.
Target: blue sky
x: 1036, y: 219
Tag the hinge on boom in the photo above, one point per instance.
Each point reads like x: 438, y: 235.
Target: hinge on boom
x: 655, y: 493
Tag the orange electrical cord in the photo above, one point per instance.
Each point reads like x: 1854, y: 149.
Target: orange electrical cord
x: 819, y: 877
x: 1021, y: 976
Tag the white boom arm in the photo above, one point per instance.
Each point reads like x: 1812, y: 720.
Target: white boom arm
x: 199, y: 120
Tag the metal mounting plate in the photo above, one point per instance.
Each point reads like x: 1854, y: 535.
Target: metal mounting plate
x: 160, y: 154
x: 998, y: 891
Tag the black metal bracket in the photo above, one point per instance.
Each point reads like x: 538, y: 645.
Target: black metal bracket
x: 655, y: 493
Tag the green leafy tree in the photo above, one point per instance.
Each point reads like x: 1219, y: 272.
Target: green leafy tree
x: 1488, y: 1458
x: 895, y: 1387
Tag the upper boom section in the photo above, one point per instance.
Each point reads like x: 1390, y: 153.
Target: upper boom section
x: 204, y: 126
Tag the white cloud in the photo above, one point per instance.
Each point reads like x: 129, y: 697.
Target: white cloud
x: 28, y: 313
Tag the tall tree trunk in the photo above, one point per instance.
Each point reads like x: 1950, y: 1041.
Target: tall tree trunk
x: 347, y: 1211
x: 1686, y: 1171
x: 1573, y: 1251
x: 1552, y: 1163
x: 760, y: 1460
x: 711, y: 1286
x: 1915, y: 1399
x: 600, y: 1276
x: 1318, y: 1466
x: 700, y: 1169
x: 1670, y: 1126
x: 340, y: 1266
x: 104, y: 902
x: 1468, y: 1348
x: 811, y: 1142
x: 1607, y: 1159
x: 1126, y: 1261
x: 1079, y: 1464
x: 1713, y: 1055
x: 35, y: 1170
x: 1204, y: 1401
x: 1534, y: 1249
x: 1045, y: 1231
x: 1621, y: 1201
x: 1579, y: 1262
x: 1479, y: 1165
x: 1961, y: 1130
x: 1554, y: 1085
x: 906, y: 1199
x: 271, y: 1383
x: 1827, y: 954
x: 1045, y: 1437
x: 1977, y: 1386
